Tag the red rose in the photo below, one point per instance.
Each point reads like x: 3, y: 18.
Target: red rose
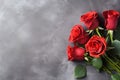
x: 90, y: 20
x: 75, y: 53
x: 111, y: 19
x: 83, y: 39
x: 78, y: 34
x: 96, y: 46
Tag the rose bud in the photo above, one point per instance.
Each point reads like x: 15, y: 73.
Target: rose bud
x: 96, y: 46
x: 111, y: 19
x: 78, y: 34
x: 75, y: 53
x: 90, y: 19
x: 83, y: 39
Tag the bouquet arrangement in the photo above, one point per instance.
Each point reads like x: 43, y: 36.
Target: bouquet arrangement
x: 98, y: 45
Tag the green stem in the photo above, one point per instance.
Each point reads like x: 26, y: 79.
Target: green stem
x: 107, y: 38
x: 110, y: 32
x: 90, y: 31
x: 88, y: 58
x: 113, y: 62
x: 117, y: 60
x: 115, y: 66
x: 97, y: 30
x: 107, y: 70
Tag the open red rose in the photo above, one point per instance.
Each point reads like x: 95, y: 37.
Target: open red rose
x: 90, y: 20
x: 111, y: 19
x: 75, y: 53
x: 78, y: 34
x: 96, y: 46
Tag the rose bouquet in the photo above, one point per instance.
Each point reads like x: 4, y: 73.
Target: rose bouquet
x: 98, y: 45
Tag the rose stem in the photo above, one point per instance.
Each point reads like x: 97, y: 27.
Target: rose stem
x: 107, y: 70
x: 112, y: 61
x: 110, y: 32
x: 97, y: 30
x: 117, y: 60
x: 113, y: 66
x: 107, y: 39
x: 117, y: 68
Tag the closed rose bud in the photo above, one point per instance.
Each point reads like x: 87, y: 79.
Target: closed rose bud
x: 84, y: 39
x: 78, y: 34
x: 75, y: 53
x: 90, y: 19
x: 111, y: 19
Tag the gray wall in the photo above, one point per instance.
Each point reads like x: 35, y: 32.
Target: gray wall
x: 34, y: 34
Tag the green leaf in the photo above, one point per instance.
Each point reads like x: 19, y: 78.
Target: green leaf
x: 80, y: 71
x: 117, y: 32
x: 115, y: 76
x: 116, y: 44
x: 97, y: 63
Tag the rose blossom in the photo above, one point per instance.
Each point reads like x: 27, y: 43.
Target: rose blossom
x: 75, y: 53
x: 96, y: 46
x: 90, y: 20
x: 111, y: 19
x: 78, y: 34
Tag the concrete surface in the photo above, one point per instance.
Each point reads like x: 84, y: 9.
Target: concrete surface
x: 33, y: 37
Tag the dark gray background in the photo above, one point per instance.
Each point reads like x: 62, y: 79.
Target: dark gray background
x: 34, y: 34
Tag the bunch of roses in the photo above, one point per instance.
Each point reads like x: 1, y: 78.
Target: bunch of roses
x: 91, y: 44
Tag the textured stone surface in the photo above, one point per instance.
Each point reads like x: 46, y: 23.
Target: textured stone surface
x: 33, y: 37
